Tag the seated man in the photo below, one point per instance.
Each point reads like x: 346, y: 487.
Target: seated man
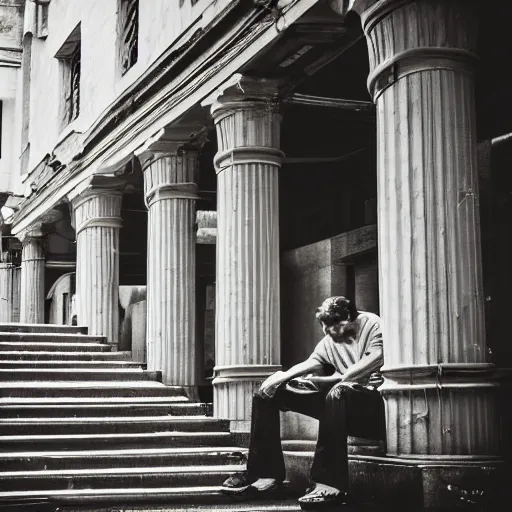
x: 345, y: 403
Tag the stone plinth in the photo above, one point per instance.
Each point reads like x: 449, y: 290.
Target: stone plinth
x: 248, y: 302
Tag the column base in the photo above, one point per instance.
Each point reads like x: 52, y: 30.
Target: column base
x: 233, y: 389
x: 415, y: 484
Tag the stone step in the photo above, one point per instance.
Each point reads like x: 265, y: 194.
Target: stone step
x: 142, y: 457
x: 154, y: 499
x: 20, y: 410
x: 111, y: 425
x: 69, y: 390
x: 72, y: 374
x: 93, y: 401
x: 45, y: 328
x: 39, y: 337
x: 288, y: 505
x: 58, y: 365
x: 44, y: 355
x: 179, y: 476
x: 119, y: 441
x: 49, y: 346
x: 134, y: 494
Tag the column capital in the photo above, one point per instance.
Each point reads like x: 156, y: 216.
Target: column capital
x: 170, y: 162
x: 396, y: 51
x: 96, y: 185
x: 242, y: 92
x: 97, y: 207
x: 35, y: 231
x: 246, y: 113
x: 172, y: 141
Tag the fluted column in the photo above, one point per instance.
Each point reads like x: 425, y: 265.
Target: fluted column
x: 9, y: 292
x: 439, y: 389
x: 97, y: 222
x: 32, y: 278
x: 248, y: 308
x: 170, y: 175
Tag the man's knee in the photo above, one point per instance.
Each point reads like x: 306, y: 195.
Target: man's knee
x: 258, y: 395
x: 340, y: 391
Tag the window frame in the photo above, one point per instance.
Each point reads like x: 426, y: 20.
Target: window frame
x: 128, y: 35
x: 70, y: 57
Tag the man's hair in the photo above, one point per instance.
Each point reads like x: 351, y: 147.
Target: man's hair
x: 336, y: 309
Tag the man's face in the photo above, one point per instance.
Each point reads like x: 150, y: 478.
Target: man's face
x: 337, y: 330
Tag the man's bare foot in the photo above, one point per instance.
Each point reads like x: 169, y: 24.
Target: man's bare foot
x: 265, y: 484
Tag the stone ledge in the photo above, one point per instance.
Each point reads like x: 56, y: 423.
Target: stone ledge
x: 415, y: 484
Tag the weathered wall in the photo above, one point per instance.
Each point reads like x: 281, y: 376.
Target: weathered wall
x: 161, y: 22
x: 11, y: 23
x: 7, y: 128
x: 11, y: 28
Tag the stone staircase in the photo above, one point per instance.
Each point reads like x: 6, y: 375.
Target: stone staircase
x: 82, y: 424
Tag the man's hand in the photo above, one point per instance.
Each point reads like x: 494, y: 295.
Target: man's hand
x: 269, y: 387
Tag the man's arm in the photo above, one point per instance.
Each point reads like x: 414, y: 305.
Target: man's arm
x: 368, y: 364
x: 271, y: 384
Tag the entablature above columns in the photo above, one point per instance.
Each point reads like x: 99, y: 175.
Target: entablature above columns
x: 177, y: 140
x: 172, y: 92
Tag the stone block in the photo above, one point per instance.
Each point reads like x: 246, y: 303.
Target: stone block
x: 399, y: 484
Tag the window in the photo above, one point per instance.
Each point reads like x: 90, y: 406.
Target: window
x: 70, y: 57
x: 41, y: 27
x: 128, y: 34
x: 73, y: 96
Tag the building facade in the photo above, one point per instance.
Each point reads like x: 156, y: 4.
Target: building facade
x: 213, y: 169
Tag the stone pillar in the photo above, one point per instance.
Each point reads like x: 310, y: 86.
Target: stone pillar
x: 97, y: 222
x: 248, y: 306
x: 9, y: 293
x: 170, y: 174
x: 440, y: 392
x: 32, y: 278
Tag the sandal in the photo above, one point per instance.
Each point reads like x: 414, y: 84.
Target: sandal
x: 315, y: 497
x: 236, y: 484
